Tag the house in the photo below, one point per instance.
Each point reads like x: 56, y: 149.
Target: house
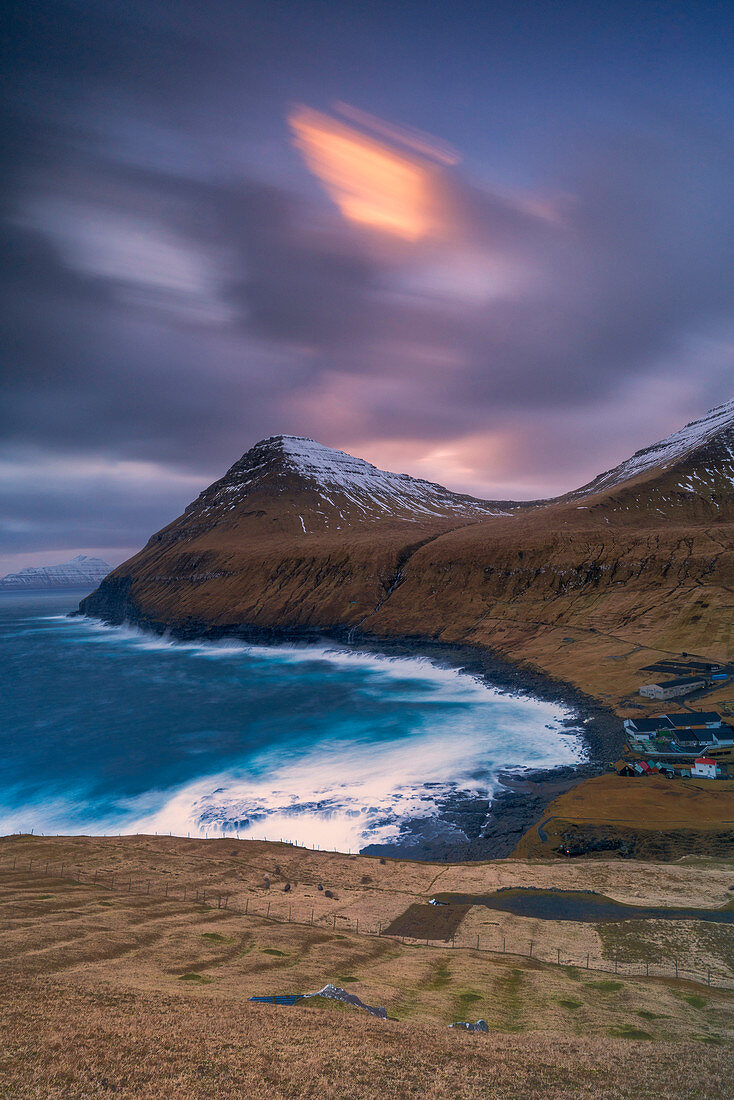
x: 679, y: 726
x: 704, y: 768
x: 695, y: 719
x: 673, y: 689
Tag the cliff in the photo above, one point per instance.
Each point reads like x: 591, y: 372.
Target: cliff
x: 299, y: 539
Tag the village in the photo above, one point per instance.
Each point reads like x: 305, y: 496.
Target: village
x: 691, y: 743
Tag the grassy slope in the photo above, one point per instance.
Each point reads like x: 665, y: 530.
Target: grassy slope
x: 107, y: 990
x: 651, y: 807
x: 587, y: 596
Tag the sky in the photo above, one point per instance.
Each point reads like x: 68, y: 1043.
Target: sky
x: 487, y: 244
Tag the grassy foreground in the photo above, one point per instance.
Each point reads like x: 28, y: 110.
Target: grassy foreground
x: 116, y: 992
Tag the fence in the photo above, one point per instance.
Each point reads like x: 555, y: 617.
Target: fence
x: 256, y: 906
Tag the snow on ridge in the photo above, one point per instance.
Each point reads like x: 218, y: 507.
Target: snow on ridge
x: 356, y: 478
x: 81, y: 570
x: 668, y: 450
x: 355, y: 484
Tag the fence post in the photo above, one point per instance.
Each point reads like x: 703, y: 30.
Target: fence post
x: 647, y: 968
x: 184, y: 893
x: 708, y: 980
x: 268, y: 912
x: 676, y: 967
x: 531, y: 949
x: 247, y: 904
x: 504, y: 942
x: 587, y: 960
x: 477, y: 942
x: 312, y: 916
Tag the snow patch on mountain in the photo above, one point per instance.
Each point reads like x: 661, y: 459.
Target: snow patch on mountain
x: 81, y: 572
x: 718, y: 422
x: 341, y: 486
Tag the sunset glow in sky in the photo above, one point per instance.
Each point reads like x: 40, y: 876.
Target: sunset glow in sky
x: 491, y: 245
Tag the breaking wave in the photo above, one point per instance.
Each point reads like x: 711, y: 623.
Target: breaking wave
x: 315, y: 744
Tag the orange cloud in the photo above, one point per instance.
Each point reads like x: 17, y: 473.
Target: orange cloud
x: 413, y: 139
x: 371, y: 183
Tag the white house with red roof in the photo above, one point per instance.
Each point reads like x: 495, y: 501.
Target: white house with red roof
x: 704, y: 768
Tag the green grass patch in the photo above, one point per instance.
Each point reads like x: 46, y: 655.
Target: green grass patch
x: 465, y: 999
x: 645, y: 1014
x: 627, y: 1031
x: 274, y: 951
x: 507, y: 1000
x: 192, y: 976
x: 215, y: 937
x: 108, y: 904
x: 572, y: 1005
x: 440, y: 975
x: 694, y: 1000
x: 605, y: 987
x: 347, y: 978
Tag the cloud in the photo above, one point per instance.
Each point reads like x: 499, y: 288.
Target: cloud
x: 171, y: 308
x: 370, y: 182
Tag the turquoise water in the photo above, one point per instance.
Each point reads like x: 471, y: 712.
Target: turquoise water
x: 106, y: 729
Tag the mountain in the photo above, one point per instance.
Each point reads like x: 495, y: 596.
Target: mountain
x: 305, y: 488
x: 692, y: 469
x: 81, y: 572
x: 298, y: 539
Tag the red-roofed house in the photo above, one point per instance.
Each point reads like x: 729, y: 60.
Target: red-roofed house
x: 704, y: 768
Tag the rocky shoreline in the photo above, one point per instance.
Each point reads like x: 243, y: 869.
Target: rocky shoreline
x: 467, y: 827
x: 471, y: 828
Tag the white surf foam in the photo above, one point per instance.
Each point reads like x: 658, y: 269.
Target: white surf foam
x: 341, y: 794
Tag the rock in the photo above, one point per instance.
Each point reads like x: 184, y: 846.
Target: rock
x: 334, y: 993
x: 480, y: 1025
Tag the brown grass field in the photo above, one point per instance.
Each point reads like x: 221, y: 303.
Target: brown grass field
x: 656, y: 815
x: 110, y: 991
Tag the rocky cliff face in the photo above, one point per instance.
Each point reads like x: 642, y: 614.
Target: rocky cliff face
x: 589, y: 587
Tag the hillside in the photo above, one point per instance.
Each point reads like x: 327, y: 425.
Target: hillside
x: 588, y: 588
x: 119, y: 969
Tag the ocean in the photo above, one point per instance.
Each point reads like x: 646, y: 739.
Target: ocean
x: 107, y: 730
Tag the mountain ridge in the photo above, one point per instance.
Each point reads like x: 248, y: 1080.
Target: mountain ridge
x: 297, y: 538
x: 79, y: 571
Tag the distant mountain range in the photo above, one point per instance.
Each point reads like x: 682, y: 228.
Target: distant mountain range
x: 81, y: 572
x: 297, y: 538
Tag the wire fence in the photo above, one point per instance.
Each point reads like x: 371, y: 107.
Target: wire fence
x: 212, y: 897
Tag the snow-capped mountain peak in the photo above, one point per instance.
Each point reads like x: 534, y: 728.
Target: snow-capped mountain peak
x: 80, y: 572
x: 710, y: 439
x: 328, y: 488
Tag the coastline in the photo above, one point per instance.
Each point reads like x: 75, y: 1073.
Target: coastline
x: 467, y: 827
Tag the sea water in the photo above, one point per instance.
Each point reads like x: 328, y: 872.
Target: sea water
x: 109, y: 729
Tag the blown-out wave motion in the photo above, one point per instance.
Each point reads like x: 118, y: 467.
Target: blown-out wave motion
x: 115, y: 730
